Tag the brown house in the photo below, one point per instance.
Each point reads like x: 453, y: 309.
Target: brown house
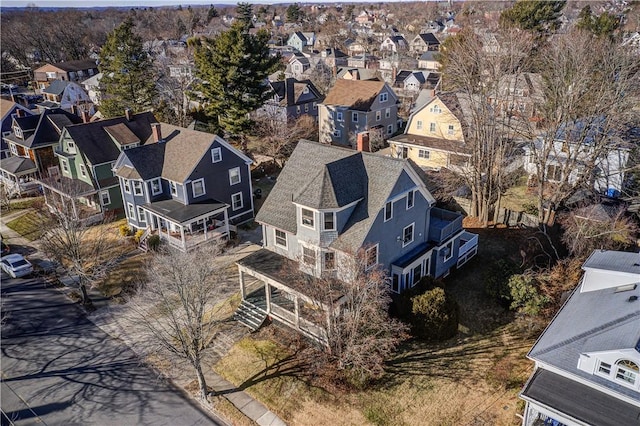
x: 66, y: 71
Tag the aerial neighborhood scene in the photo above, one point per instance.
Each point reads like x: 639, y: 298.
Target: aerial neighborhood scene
x: 340, y: 213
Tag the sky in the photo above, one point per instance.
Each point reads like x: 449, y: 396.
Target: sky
x: 131, y: 3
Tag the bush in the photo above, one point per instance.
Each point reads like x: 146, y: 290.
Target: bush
x: 125, y: 230
x: 530, y: 208
x: 496, y: 279
x: 153, y: 242
x: 138, y: 235
x: 434, y: 315
x: 525, y: 297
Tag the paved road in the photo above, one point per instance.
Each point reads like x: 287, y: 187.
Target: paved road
x: 58, y: 368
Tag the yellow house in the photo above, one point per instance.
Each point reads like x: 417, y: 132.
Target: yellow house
x: 434, y: 137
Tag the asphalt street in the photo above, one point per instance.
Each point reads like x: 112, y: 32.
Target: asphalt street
x: 58, y: 368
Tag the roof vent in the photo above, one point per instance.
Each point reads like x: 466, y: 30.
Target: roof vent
x: 632, y: 298
x: 627, y: 287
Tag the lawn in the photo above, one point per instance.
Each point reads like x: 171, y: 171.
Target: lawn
x: 519, y: 196
x: 473, y: 378
x: 26, y: 203
x: 29, y: 225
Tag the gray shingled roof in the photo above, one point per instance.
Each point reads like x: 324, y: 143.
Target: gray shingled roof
x: 146, y: 160
x: 344, y: 176
x: 56, y: 87
x: 18, y: 165
x: 50, y: 125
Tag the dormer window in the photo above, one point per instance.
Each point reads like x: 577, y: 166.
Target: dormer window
x: 174, y: 188
x: 137, y: 188
x: 329, y: 221
x: 305, y: 90
x: 627, y: 371
x: 307, y: 218
x: 384, y: 97
x: 156, y: 187
x: 17, y: 131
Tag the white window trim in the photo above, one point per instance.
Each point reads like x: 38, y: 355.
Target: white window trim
x: 413, y: 230
x: 366, y: 254
x: 65, y: 165
x: 193, y: 188
x: 173, y: 188
x: 432, y: 127
x: 413, y: 199
x: 233, y: 207
x: 450, y: 255
x: 126, y: 185
x: 390, y: 129
x: 378, y: 115
x: 131, y: 212
x: 83, y: 170
x: 426, y: 155
x: 137, y: 185
x: 339, y: 116
x: 102, y: 194
x: 384, y: 211
x: 354, y: 117
x: 275, y: 238
x: 313, y: 220
x: 450, y: 129
x: 159, y: 186
x: 315, y: 256
x: 324, y: 261
x: 419, y: 125
x: 337, y: 133
x: 383, y: 97
x: 387, y: 113
x: 142, y: 218
x: 215, y: 151
x: 231, y: 182
x: 324, y: 221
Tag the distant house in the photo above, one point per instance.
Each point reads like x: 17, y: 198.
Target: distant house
x: 328, y: 204
x: 187, y: 186
x: 424, y: 42
x: 428, y: 61
x: 363, y: 61
x: 66, y: 95
x: 76, y: 71
x: 9, y: 109
x: 433, y: 27
x: 298, y: 65
x: 302, y: 40
x: 364, y: 18
x: 333, y: 57
x: 520, y: 95
x: 411, y: 82
x: 435, y: 134
x: 87, y: 153
x: 291, y: 99
x: 587, y: 361
x: 357, y: 74
x: 394, y: 43
x: 355, y: 106
x: 92, y: 85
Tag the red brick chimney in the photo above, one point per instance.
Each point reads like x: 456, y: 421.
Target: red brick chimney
x: 362, y: 144
x: 19, y: 112
x: 157, y: 133
x: 354, y: 74
x: 85, y: 116
x: 128, y: 114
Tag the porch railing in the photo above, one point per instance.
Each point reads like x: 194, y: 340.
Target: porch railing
x: 468, y: 247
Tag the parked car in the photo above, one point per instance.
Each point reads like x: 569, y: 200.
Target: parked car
x: 16, y: 265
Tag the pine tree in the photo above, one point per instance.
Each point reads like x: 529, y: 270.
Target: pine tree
x: 128, y: 80
x: 232, y: 68
x: 244, y: 14
x: 537, y: 15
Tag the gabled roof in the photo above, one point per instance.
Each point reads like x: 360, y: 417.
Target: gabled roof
x: 344, y: 176
x: 429, y: 38
x: 290, y: 91
x: 122, y: 134
x: 78, y: 65
x: 94, y: 142
x: 56, y: 87
x: 7, y: 107
x: 50, y: 125
x: 18, y: 165
x: 355, y: 94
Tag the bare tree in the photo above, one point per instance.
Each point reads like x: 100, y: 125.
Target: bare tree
x: 278, y: 135
x: 591, y: 91
x: 176, y: 310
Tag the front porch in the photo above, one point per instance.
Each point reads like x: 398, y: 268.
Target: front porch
x: 72, y: 196
x: 262, y: 285
x: 17, y: 174
x: 187, y: 226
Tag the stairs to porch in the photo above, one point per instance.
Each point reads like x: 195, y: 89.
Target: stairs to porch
x: 251, y: 315
x: 142, y: 244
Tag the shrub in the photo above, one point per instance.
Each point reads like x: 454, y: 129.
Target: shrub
x: 153, y: 242
x: 496, y: 279
x: 125, y: 230
x: 530, y: 208
x: 525, y: 297
x: 434, y: 315
x: 138, y: 235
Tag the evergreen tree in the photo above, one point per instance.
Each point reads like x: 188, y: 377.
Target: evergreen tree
x: 293, y: 13
x: 244, y: 14
x: 128, y: 80
x: 536, y: 15
x: 602, y: 25
x: 213, y: 13
x: 232, y: 68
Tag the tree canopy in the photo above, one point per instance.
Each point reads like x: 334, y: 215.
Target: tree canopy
x: 600, y: 25
x: 232, y: 68
x: 128, y: 79
x: 537, y: 15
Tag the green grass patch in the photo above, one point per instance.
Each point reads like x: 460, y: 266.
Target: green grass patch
x: 29, y: 225
x: 125, y: 276
x: 26, y: 203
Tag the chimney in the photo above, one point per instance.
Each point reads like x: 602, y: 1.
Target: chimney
x: 354, y: 74
x: 156, y: 132
x: 363, y: 142
x: 13, y: 97
x: 128, y: 114
x: 74, y: 110
x: 19, y: 112
x: 334, y: 70
x: 85, y: 116
x: 394, y: 73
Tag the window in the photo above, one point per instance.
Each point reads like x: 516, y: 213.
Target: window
x: 423, y: 153
x: 65, y: 166
x: 174, y: 188
x: 410, y: 199
x: 142, y: 218
x: 432, y: 127
x: 131, y: 212
x: 388, y: 211
x: 216, y: 155
x: 308, y: 256
x: 298, y: 109
x: 384, y: 96
x: 407, y: 235
x: 378, y: 115
x: 83, y: 170
x: 450, y: 129
x: 387, y: 112
x: 339, y: 116
x: 448, y: 251
x: 404, y: 152
x: 51, y: 75
x: 13, y: 148
x: 18, y: 131
x: 197, y: 186
x: 604, y: 368
x: 417, y: 274
x: 234, y: 176
x: 627, y: 371
x: 329, y: 221
x: 435, y: 109
x: 315, y: 105
x: 329, y: 261
x: 237, y: 201
x: 305, y: 90
x: 105, y: 198
x: 156, y: 187
x: 395, y: 283
x: 306, y: 107
x: 137, y: 188
x: 127, y: 186
x: 354, y: 117
x: 419, y: 125
x: 371, y: 257
x: 307, y: 218
x: 337, y: 133
x: 281, y: 238
x: 390, y: 129
x: 71, y: 146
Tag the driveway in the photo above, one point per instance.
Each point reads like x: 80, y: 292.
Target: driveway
x: 59, y: 368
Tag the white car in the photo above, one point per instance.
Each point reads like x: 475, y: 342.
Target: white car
x: 16, y: 266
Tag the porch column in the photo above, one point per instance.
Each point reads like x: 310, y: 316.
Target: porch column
x: 267, y: 293
x: 73, y: 206
x: 296, y: 310
x: 184, y: 243
x: 242, y: 290
x: 226, y: 222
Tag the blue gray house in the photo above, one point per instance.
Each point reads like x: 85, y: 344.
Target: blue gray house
x: 328, y: 204
x: 187, y: 186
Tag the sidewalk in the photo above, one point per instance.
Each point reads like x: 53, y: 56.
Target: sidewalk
x: 246, y: 404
